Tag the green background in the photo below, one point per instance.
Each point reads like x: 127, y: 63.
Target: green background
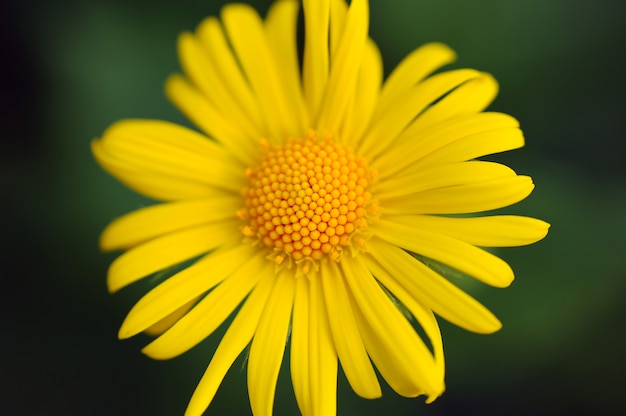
x: 71, y: 68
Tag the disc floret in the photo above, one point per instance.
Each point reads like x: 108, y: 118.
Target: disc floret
x: 307, y: 200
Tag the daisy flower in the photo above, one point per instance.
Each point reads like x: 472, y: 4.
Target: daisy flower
x: 315, y: 206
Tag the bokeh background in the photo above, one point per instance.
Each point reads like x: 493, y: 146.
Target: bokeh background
x: 71, y: 68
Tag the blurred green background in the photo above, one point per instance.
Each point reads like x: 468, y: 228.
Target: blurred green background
x: 71, y: 68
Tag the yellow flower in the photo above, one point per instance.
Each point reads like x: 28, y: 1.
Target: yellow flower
x: 312, y: 204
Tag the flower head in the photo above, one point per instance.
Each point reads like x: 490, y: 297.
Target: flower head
x: 311, y: 205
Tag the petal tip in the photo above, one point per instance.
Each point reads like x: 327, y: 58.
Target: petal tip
x: 448, y: 54
x: 124, y: 333
x: 113, y: 281
x: 154, y: 353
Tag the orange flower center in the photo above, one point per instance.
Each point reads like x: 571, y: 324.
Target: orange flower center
x: 307, y: 199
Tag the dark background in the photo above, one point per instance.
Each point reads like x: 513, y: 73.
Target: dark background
x: 71, y: 68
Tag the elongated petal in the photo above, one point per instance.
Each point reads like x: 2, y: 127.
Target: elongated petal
x: 346, y: 337
x: 338, y: 13
x: 268, y: 346
x: 168, y: 321
x: 415, y: 67
x: 209, y: 313
x: 211, y: 34
x: 457, y: 254
x: 345, y: 64
x: 492, y: 231
x: 154, y: 221
x: 248, y: 38
x: 300, y: 346
x: 411, y: 147
x: 199, y: 67
x: 167, y: 251
x: 313, y: 356
x: 316, y: 56
x: 359, y: 116
x: 462, y: 199
x: 406, y: 108
x: 204, y: 115
x: 474, y: 146
x: 323, y: 355
x: 153, y: 185
x: 426, y: 319
x: 392, y: 264
x: 281, y: 28
x: 160, y: 148
x: 183, y: 287
x: 235, y: 339
x: 422, y: 313
x: 439, y: 176
x: 398, y: 352
x: 196, y: 65
x: 472, y: 97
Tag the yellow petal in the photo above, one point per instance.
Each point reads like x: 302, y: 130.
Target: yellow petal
x: 281, y: 28
x: 389, y: 124
x: 344, y: 69
x: 167, y: 251
x: 165, y: 149
x: 428, y: 321
x: 394, y: 265
x: 183, y: 287
x: 268, y: 345
x: 150, y: 184
x: 198, y: 64
x: 415, y: 67
x: 475, y: 146
x: 323, y: 356
x: 438, y: 176
x: 348, y: 342
x: 357, y: 118
x: 492, y: 231
x: 300, y: 341
x: 154, y: 221
x: 249, y: 41
x: 457, y: 254
x: 204, y: 115
x: 411, y: 147
x: 168, y: 321
x: 209, y: 313
x: 338, y: 13
x: 313, y: 356
x: 471, y: 97
x: 422, y: 314
x: 217, y: 48
x: 398, y: 352
x: 235, y: 339
x: 463, y: 199
x: 316, y: 57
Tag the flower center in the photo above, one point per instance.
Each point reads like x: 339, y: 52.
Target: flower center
x: 308, y: 199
